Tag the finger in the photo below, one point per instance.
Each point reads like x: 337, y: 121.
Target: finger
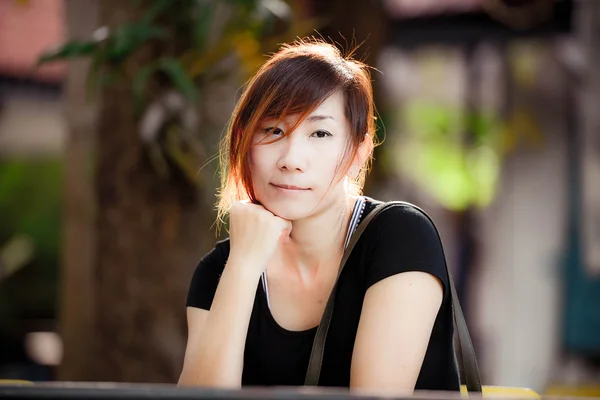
x: 286, y: 228
x: 285, y: 236
x: 284, y: 223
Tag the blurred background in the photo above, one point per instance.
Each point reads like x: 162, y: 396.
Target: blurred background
x: 110, y: 117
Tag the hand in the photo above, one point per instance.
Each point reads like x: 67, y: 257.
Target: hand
x: 254, y: 234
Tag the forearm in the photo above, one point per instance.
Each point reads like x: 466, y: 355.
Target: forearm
x: 218, y: 354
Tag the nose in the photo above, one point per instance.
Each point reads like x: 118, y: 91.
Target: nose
x: 293, y: 154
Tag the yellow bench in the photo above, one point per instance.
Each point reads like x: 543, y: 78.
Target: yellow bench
x: 571, y: 391
x: 14, y: 382
x: 504, y: 392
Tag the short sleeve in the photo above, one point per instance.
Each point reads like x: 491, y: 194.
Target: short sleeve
x: 404, y: 239
x: 207, y: 275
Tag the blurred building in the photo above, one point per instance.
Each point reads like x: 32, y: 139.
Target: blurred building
x: 31, y: 120
x: 530, y: 302
x: 32, y: 134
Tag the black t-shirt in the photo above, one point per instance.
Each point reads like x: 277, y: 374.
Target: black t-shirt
x: 398, y: 240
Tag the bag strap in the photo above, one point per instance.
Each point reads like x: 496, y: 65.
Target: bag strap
x: 316, y: 355
x: 469, y: 368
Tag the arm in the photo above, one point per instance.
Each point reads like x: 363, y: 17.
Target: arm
x: 393, y: 334
x: 216, y: 339
x: 406, y: 280
x: 196, y: 320
x: 215, y: 349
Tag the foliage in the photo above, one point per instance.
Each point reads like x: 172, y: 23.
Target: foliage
x: 456, y: 156
x: 189, y: 43
x: 30, y: 208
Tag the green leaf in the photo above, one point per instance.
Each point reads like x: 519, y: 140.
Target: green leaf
x: 481, y: 125
x: 179, y: 77
x: 245, y: 6
x: 202, y: 22
x: 130, y: 37
x: 69, y: 50
x: 458, y: 174
x: 173, y: 69
x: 139, y: 84
x: 157, y: 8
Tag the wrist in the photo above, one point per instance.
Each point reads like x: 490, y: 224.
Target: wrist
x: 247, y: 267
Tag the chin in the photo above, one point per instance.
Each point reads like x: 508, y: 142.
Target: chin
x: 289, y: 210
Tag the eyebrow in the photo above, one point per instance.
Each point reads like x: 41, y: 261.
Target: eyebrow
x: 314, y: 118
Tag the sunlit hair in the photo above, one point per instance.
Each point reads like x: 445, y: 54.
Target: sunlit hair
x: 295, y: 81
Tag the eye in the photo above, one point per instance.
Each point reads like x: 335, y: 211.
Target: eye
x: 321, y: 134
x: 274, y: 131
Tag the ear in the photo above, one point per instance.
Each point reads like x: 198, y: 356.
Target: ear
x: 362, y: 155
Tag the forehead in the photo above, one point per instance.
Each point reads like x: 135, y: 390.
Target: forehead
x: 331, y: 110
x: 333, y: 106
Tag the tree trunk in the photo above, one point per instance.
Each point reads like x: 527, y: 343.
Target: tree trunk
x: 76, y: 312
x: 132, y: 240
x: 149, y: 238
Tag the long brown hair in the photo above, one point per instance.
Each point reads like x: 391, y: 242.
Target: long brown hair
x: 295, y: 81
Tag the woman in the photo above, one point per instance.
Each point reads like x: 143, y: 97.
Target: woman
x: 295, y: 159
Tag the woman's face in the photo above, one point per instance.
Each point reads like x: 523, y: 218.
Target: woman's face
x: 296, y: 177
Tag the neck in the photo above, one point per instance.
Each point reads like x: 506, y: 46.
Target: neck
x: 318, y: 241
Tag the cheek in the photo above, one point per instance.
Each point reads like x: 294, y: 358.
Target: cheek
x: 326, y: 173
x: 327, y: 167
x: 329, y: 162
x: 259, y: 162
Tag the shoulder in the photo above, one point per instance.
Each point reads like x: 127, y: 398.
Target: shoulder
x: 207, y: 275
x: 221, y: 250
x: 215, y: 258
x: 400, y: 217
x: 402, y: 238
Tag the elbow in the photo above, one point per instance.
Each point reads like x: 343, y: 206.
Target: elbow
x: 187, y: 380
x: 207, y: 379
x: 383, y: 389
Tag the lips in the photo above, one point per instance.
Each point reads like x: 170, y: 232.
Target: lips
x: 288, y: 187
